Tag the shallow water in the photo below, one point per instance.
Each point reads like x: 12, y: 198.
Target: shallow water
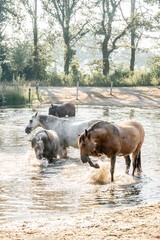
x: 31, y: 189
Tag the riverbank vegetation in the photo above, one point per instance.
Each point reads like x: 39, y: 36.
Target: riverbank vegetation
x: 17, y: 96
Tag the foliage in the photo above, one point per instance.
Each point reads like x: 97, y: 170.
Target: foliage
x: 20, y: 55
x: 107, y: 33
x: 154, y: 65
x: 54, y: 79
x: 44, y: 61
x: 72, y: 28
x: 18, y: 97
x: 125, y: 77
x: 107, y: 24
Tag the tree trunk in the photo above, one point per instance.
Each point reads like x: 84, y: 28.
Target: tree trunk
x: 66, y: 59
x: 67, y: 52
x: 35, y: 34
x: 133, y: 36
x: 105, y: 55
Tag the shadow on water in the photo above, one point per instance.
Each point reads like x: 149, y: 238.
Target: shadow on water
x: 29, y: 189
x: 47, y: 170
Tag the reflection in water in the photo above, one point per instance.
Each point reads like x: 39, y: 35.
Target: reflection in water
x: 106, y: 111
x: 30, y: 188
x: 131, y: 115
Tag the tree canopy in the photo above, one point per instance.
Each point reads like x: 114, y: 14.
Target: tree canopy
x: 42, y: 37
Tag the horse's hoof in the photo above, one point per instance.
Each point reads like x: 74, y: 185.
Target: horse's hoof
x: 96, y: 166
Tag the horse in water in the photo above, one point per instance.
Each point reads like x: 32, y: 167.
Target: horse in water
x: 113, y: 140
x: 66, y: 109
x: 66, y: 129
x: 46, y: 144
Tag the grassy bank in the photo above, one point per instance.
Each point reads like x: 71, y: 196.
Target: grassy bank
x: 19, y: 96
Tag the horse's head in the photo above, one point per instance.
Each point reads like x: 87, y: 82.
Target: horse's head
x: 53, y: 110
x: 39, y: 148
x: 86, y: 145
x: 33, y: 123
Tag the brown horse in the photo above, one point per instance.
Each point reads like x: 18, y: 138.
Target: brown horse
x: 62, y: 110
x: 113, y: 140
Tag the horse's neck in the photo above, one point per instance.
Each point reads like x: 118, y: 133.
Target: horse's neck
x: 51, y: 122
x: 45, y: 121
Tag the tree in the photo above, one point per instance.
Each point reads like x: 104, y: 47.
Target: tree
x: 133, y: 36
x: 19, y: 57
x: 111, y: 34
x: 32, y: 10
x: 144, y: 22
x: 65, y: 12
x: 7, y: 10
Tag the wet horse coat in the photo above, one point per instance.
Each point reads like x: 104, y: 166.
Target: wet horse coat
x: 46, y: 144
x: 113, y: 140
x: 66, y: 129
x: 66, y: 109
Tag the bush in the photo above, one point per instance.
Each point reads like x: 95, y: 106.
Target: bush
x: 55, y: 80
x: 98, y: 79
x: 123, y: 78
x: 18, y: 97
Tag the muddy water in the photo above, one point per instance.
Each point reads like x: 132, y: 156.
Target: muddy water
x: 29, y: 188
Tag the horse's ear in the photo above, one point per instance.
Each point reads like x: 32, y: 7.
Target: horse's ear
x: 36, y: 114
x: 89, y: 136
x: 83, y: 138
x: 78, y: 134
x: 86, y: 132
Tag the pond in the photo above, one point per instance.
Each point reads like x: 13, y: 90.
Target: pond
x: 31, y: 189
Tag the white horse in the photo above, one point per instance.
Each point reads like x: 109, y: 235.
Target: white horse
x: 66, y: 129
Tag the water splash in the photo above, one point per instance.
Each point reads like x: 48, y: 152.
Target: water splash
x: 100, y: 175
x: 33, y: 161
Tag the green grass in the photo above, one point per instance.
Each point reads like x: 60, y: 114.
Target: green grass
x: 18, y: 97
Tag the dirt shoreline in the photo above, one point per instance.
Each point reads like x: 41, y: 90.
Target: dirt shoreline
x: 142, y: 97
x: 138, y: 222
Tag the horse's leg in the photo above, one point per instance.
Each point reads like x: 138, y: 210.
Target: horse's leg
x: 139, y: 167
x: 135, y: 160
x: 95, y: 165
x: 63, y: 152
x: 128, y: 163
x: 113, y: 160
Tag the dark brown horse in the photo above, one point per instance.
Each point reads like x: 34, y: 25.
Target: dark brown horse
x: 113, y: 140
x: 62, y: 110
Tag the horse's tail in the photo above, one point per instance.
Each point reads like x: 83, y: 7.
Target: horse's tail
x: 139, y: 167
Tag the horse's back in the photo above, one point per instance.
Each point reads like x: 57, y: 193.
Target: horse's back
x: 122, y: 138
x: 132, y: 135
x: 75, y: 128
x: 69, y: 108
x: 81, y: 126
x: 135, y: 126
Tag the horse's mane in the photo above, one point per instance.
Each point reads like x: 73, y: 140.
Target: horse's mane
x: 98, y: 125
x: 43, y: 118
x: 33, y: 142
x: 94, y: 126
x: 36, y: 137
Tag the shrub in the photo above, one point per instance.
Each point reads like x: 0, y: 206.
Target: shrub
x: 18, y: 97
x: 154, y: 65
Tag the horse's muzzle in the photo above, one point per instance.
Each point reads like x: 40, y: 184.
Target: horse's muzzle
x: 84, y: 158
x: 40, y: 156
x: 28, y: 130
